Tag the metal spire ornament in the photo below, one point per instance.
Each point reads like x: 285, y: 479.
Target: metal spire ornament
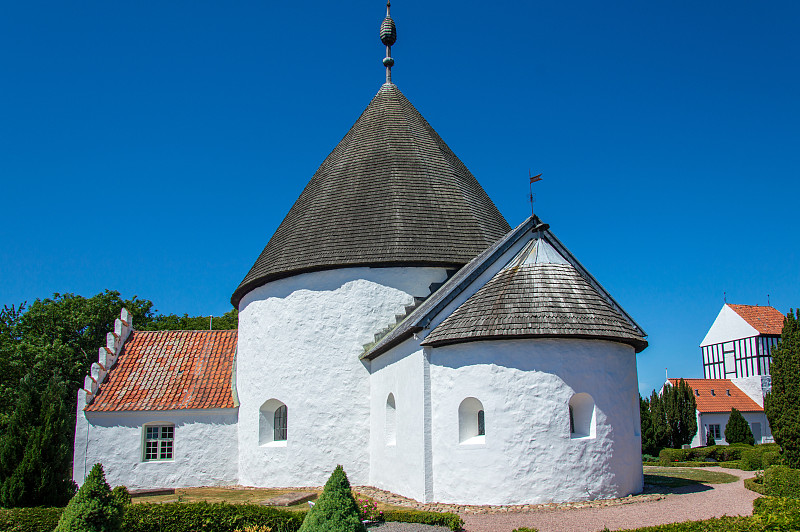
x: 388, y: 38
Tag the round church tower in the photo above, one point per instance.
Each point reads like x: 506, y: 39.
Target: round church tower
x: 383, y: 222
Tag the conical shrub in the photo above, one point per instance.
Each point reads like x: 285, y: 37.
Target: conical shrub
x: 336, y: 509
x: 738, y: 430
x: 94, y: 508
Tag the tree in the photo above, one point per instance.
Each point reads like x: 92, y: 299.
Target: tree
x: 94, y: 508
x: 673, y: 415
x: 649, y: 445
x: 35, y: 451
x: 737, y: 430
x: 782, y: 404
x: 336, y: 510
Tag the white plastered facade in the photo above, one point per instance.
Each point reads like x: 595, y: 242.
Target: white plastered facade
x: 757, y: 421
x: 727, y: 327
x: 299, y: 342
x: 204, y: 448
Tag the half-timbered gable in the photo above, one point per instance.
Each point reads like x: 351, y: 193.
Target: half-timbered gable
x: 740, y: 341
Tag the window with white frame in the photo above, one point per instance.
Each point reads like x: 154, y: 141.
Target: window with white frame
x: 714, y: 432
x: 158, y: 442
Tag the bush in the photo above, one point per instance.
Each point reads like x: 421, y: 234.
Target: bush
x: 751, y: 459
x: 649, y: 458
x: 771, y: 458
x: 756, y: 483
x: 93, y: 508
x: 336, y: 510
x: 450, y: 520
x: 369, y: 510
x: 738, y: 430
x: 667, y: 456
x: 121, y: 495
x: 525, y: 529
x: 782, y: 481
x: 29, y: 519
x: 196, y: 517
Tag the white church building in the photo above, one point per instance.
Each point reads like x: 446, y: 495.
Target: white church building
x: 397, y: 325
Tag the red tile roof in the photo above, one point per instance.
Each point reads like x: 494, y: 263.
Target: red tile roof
x: 719, y: 401
x: 766, y: 320
x: 167, y: 370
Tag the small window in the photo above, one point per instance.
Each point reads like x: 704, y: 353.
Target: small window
x: 581, y: 416
x: 697, y: 393
x: 714, y: 431
x: 391, y: 421
x: 281, y: 425
x: 273, y: 423
x: 713, y: 393
x: 471, y: 422
x: 158, y: 442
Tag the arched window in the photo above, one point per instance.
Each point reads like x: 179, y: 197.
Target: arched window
x: 471, y: 422
x: 391, y: 421
x: 280, y: 424
x: 581, y: 416
x: 273, y: 423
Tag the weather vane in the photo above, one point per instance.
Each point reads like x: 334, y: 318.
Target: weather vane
x: 533, y: 179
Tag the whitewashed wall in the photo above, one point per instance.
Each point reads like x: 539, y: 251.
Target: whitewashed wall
x: 205, y: 448
x: 721, y: 419
x: 299, y: 342
x: 400, y: 468
x: 528, y: 455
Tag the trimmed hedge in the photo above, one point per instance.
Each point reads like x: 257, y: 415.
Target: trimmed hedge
x: 782, y: 481
x: 754, y: 454
x: 450, y: 520
x: 29, y: 519
x: 755, y: 484
x: 205, y: 517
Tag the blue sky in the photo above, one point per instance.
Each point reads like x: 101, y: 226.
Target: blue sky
x: 154, y: 148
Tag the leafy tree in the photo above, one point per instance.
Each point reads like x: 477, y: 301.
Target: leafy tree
x: 336, y: 510
x: 94, y: 508
x: 782, y: 404
x: 173, y: 322
x: 737, y: 430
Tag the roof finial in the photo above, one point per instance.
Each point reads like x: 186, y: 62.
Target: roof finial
x: 388, y: 37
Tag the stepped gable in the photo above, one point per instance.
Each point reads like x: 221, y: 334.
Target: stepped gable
x: 390, y: 193
x: 538, y: 294
x: 169, y: 370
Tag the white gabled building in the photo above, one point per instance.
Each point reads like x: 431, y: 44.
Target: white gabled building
x: 395, y: 324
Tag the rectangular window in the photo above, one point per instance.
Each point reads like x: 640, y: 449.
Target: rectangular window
x: 158, y: 442
x: 714, y: 431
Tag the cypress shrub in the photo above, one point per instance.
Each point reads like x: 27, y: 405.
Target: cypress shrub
x: 782, y: 404
x: 93, y: 508
x: 737, y: 430
x: 336, y: 509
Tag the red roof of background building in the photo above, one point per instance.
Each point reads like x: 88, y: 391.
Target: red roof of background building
x: 766, y: 320
x: 168, y: 370
x: 719, y: 401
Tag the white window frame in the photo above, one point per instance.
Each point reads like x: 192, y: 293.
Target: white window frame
x: 158, y: 442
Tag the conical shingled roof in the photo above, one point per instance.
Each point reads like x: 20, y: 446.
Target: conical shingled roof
x: 390, y: 193
x: 538, y: 294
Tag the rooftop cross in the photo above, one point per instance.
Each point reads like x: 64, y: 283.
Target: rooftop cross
x: 388, y: 37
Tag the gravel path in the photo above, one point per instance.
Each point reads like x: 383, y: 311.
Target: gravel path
x: 684, y: 504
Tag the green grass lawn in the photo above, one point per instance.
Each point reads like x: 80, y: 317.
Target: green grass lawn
x: 675, y: 477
